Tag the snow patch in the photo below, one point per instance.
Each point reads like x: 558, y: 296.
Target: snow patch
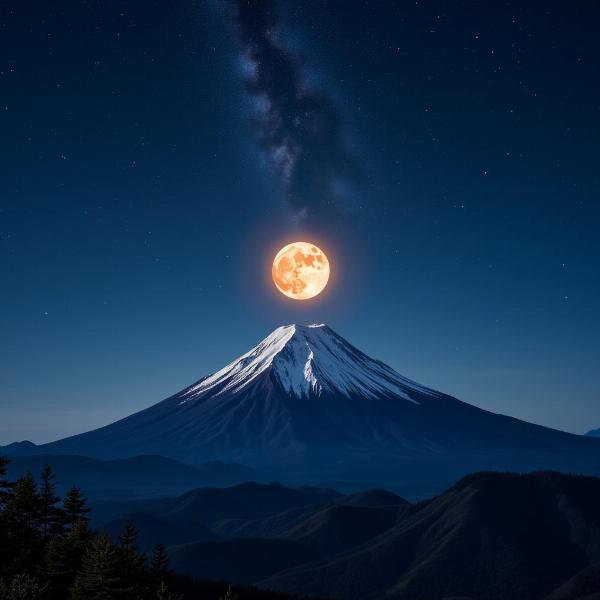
x: 307, y: 360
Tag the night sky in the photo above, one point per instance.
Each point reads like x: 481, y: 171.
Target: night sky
x: 156, y: 155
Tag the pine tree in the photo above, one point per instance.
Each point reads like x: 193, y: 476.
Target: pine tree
x: 161, y: 574
x: 21, y: 518
x: 22, y: 587
x: 60, y: 566
x: 98, y: 578
x: 24, y: 506
x: 159, y: 565
x: 6, y: 553
x: 51, y: 516
x: 80, y: 536
x: 5, y: 486
x: 75, y: 507
x: 132, y: 564
x: 229, y: 595
x: 129, y: 535
x: 163, y: 593
x: 63, y: 558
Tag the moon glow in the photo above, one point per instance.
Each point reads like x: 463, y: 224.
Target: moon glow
x: 300, y: 270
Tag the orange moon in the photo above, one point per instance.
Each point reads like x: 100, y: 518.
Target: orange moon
x: 300, y: 270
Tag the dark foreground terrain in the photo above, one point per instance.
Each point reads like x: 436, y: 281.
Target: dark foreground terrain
x: 492, y: 536
x: 48, y: 551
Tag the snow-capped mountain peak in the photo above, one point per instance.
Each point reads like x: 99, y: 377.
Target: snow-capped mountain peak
x: 307, y: 405
x: 307, y: 360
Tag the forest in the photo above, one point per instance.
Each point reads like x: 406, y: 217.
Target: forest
x: 48, y: 551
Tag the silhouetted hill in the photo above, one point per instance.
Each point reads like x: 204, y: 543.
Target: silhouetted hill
x: 492, y: 535
x: 18, y: 448
x: 206, y: 589
x: 145, y: 476
x: 208, y: 506
x: 372, y: 498
x: 246, y: 501
x: 336, y: 528
x: 585, y: 585
x: 273, y: 526
x: 594, y: 433
x: 312, y: 531
x: 305, y: 517
x: 153, y: 530
x: 241, y: 560
x: 321, y: 519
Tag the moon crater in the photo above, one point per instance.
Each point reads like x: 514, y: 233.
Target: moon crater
x: 300, y: 270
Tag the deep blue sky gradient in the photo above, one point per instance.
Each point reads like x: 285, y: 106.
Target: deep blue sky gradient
x: 138, y: 215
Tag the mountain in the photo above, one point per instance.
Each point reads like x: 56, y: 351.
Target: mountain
x: 153, y: 530
x: 584, y: 585
x: 268, y: 529
x: 336, y: 528
x: 593, y: 433
x: 207, y: 506
x: 18, y: 448
x: 372, y: 498
x: 320, y: 518
x: 492, y: 536
x: 210, y: 514
x: 306, y: 405
x: 239, y: 560
x: 130, y: 477
x: 496, y: 536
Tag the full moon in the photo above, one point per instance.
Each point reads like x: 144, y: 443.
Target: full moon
x: 300, y: 270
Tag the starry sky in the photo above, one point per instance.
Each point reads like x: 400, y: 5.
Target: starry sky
x: 156, y: 155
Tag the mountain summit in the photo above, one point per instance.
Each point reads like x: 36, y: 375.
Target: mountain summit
x: 306, y: 404
x: 306, y: 360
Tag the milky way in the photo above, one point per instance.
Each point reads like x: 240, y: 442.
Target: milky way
x: 300, y: 128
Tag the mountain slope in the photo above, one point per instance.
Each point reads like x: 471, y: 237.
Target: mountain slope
x: 129, y: 477
x: 373, y: 498
x: 593, y: 433
x: 287, y: 539
x: 208, y: 506
x: 336, y: 528
x: 153, y: 530
x: 24, y: 447
x: 319, y: 518
x: 585, y: 585
x: 494, y: 536
x: 241, y: 561
x: 307, y: 405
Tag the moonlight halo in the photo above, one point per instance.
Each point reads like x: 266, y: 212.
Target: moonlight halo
x: 300, y: 270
